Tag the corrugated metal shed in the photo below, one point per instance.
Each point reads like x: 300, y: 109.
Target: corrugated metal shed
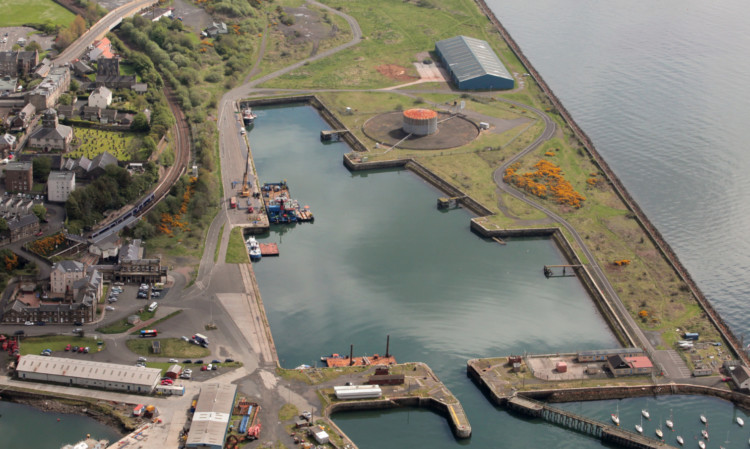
x: 212, y: 414
x: 86, y: 372
x: 473, y: 64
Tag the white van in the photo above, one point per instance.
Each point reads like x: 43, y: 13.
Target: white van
x: 153, y: 306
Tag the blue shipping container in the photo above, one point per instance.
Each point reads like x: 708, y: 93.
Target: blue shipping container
x: 691, y: 335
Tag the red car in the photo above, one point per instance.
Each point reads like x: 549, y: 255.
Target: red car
x: 80, y: 349
x: 204, y: 368
x: 67, y: 348
x: 167, y: 382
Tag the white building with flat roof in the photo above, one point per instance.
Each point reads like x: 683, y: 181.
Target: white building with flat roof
x: 59, y: 185
x: 87, y: 373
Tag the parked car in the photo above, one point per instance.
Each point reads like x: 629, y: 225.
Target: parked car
x: 78, y: 323
x: 167, y: 382
x: 184, y: 338
x: 204, y: 368
x: 214, y: 367
x: 186, y: 375
x: 29, y: 323
x: 75, y: 349
x: 142, y: 359
x: 228, y: 360
x: 47, y: 352
x: 214, y: 361
x: 86, y: 350
x: 199, y: 362
x: 110, y: 308
x: 81, y: 349
x: 41, y: 323
x: 19, y: 332
x: 119, y: 284
x: 173, y: 361
x: 67, y: 348
x: 141, y: 364
x: 187, y: 361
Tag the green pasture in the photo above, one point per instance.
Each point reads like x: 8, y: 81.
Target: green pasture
x: 92, y: 142
x: 20, y: 12
x: 57, y: 343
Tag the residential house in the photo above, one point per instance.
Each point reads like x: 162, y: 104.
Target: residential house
x: 101, y: 49
x: 140, y: 88
x: 18, y: 177
x: 8, y: 85
x: 82, y: 69
x: 23, y: 119
x: 45, y: 95
x: 101, y: 97
x: 18, y: 63
x: 23, y: 227
x: 216, y: 28
x: 69, y: 112
x: 59, y: 185
x: 63, y: 275
x: 43, y: 69
x: 92, y: 113
x: 7, y: 145
x: 108, y: 116
x: 100, y: 163
x: 52, y: 135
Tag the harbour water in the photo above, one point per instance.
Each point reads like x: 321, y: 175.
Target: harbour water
x: 381, y: 259
x: 23, y: 426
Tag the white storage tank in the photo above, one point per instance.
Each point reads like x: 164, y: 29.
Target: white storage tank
x: 420, y: 122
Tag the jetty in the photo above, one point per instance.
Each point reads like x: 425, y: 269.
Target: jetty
x: 569, y: 420
x: 331, y: 134
x: 269, y: 249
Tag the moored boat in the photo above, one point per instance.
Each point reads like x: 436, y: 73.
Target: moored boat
x: 680, y: 440
x: 740, y: 421
x: 701, y: 444
x: 704, y: 432
x: 659, y: 432
x: 639, y: 428
x: 253, y: 248
x: 646, y: 414
x: 248, y: 117
x: 703, y: 419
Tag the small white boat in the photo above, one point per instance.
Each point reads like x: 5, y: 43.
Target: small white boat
x: 680, y: 440
x: 639, y: 428
x: 701, y: 444
x: 253, y: 248
x: 670, y: 424
x: 646, y: 414
x: 740, y: 421
x: 659, y: 433
x: 615, y: 419
x: 703, y: 419
x: 704, y: 432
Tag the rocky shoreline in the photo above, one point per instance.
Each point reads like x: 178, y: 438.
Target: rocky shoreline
x: 98, y: 411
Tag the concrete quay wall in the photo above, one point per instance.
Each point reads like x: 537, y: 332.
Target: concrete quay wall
x: 441, y: 408
x: 621, y: 191
x: 618, y: 325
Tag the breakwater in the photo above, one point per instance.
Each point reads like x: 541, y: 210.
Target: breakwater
x: 653, y: 233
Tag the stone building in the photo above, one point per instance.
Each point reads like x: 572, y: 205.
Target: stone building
x: 59, y: 186
x: 45, y: 95
x: 23, y: 227
x: 52, y: 135
x: 18, y: 63
x: 63, y: 275
x: 18, y: 177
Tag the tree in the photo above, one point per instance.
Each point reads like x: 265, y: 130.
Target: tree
x: 78, y: 26
x: 74, y: 86
x: 140, y: 123
x: 3, y: 226
x: 41, y: 167
x: 40, y: 211
x: 33, y: 45
x: 65, y: 99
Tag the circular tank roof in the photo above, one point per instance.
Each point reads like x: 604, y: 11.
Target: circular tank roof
x: 420, y: 113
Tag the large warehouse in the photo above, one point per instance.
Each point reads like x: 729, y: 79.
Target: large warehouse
x: 473, y: 65
x: 86, y: 373
x: 212, y: 414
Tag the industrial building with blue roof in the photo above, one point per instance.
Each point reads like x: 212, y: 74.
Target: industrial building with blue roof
x: 473, y: 65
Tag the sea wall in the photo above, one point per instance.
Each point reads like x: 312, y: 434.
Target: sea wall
x: 399, y: 402
x: 620, y: 189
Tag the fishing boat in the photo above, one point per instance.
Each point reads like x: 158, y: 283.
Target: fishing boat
x: 248, y: 117
x: 704, y: 432
x: 670, y: 423
x: 703, y: 419
x: 646, y: 414
x: 253, y: 248
x: 680, y: 440
x: 740, y: 421
x: 616, y: 416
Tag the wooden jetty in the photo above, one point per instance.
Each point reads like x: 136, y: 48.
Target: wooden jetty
x: 269, y: 249
x: 548, y: 272
x: 329, y: 134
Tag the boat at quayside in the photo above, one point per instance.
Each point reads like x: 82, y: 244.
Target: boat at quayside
x: 248, y: 117
x: 253, y: 248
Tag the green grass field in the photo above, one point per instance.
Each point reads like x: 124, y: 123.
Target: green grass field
x: 236, y: 250
x: 170, y: 347
x: 20, y: 12
x: 57, y: 343
x: 92, y: 142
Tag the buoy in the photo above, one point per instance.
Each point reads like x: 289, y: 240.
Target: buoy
x: 58, y: 419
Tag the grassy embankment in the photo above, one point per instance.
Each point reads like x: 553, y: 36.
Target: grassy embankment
x: 20, y: 12
x: 236, y: 250
x: 648, y: 286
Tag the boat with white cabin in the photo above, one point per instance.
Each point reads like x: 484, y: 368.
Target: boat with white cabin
x: 616, y: 416
x: 646, y: 414
x: 680, y: 440
x: 703, y: 419
x: 253, y: 248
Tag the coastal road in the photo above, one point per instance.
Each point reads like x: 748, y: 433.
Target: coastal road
x: 99, y: 29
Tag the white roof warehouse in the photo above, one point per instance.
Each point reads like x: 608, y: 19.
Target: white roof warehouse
x: 85, y: 373
x: 212, y: 414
